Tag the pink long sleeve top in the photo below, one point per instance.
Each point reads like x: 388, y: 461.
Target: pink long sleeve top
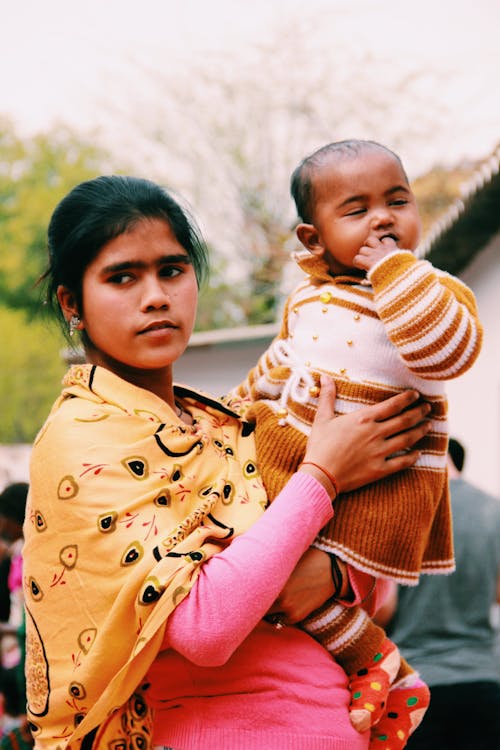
x: 228, y: 680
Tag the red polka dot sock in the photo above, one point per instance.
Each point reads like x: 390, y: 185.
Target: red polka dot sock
x: 370, y: 686
x: 405, y: 709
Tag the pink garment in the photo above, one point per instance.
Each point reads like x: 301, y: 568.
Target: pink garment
x: 230, y: 681
x: 15, y: 579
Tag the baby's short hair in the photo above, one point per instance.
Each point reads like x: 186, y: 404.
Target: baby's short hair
x: 301, y: 184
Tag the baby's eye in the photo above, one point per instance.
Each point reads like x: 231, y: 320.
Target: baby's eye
x: 399, y: 202
x: 356, y: 212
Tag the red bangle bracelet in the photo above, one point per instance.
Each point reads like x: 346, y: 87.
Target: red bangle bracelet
x: 326, y: 473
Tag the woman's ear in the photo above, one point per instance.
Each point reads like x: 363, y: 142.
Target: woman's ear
x: 67, y: 302
x: 309, y: 236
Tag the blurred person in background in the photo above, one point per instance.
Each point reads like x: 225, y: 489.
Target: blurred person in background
x: 14, y: 731
x: 445, y: 628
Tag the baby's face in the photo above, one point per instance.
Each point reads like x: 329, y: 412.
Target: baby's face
x: 359, y: 197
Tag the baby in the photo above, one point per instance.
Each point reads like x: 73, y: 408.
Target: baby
x: 380, y: 321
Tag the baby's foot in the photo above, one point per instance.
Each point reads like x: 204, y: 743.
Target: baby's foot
x: 370, y: 687
x: 405, y: 709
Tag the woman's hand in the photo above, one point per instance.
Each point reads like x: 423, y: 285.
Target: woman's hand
x: 366, y: 445
x: 307, y: 589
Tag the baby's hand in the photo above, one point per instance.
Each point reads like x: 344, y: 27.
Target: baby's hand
x: 372, y: 251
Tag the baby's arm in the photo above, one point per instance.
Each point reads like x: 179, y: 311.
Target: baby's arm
x: 429, y: 315
x: 241, y: 396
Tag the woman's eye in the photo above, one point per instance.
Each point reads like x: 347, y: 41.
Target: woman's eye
x: 170, y: 271
x: 120, y: 278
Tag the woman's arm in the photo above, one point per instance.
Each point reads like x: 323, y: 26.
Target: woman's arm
x: 310, y: 585
x: 236, y: 587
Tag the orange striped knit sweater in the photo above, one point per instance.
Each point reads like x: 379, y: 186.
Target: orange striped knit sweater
x: 407, y: 326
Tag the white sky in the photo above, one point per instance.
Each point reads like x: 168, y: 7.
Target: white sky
x: 59, y: 57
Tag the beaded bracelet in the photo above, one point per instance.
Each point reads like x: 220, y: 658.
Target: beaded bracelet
x: 326, y: 473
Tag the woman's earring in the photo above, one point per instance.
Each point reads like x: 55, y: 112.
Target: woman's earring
x: 73, y: 324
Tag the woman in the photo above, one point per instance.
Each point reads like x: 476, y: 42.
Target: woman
x: 149, y: 562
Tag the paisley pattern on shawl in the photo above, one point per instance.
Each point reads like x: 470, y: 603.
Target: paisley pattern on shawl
x: 126, y: 502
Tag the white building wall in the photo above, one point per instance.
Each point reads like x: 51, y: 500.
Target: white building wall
x: 217, y: 367
x: 475, y: 397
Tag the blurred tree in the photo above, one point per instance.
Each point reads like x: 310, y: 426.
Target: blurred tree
x: 30, y: 374
x: 229, y: 136
x: 220, y: 302
x: 35, y: 173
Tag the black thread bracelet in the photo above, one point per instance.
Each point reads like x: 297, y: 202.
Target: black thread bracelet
x: 337, y: 576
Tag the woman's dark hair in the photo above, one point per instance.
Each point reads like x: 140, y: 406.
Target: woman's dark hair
x: 97, y: 211
x: 302, y: 183
x: 13, y: 501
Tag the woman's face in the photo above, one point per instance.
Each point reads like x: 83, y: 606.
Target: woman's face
x: 139, y: 298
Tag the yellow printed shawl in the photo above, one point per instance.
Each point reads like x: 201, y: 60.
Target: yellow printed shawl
x: 125, y: 503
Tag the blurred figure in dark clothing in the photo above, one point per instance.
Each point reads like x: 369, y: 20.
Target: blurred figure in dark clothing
x: 444, y: 626
x: 12, y: 683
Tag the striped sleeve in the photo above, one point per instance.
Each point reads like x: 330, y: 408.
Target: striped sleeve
x: 242, y: 395
x: 429, y: 315
x: 250, y: 389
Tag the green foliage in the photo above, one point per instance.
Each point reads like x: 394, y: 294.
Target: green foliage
x: 31, y: 370
x: 220, y: 302
x: 35, y: 174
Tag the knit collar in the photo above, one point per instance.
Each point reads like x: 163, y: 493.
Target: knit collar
x: 317, y: 269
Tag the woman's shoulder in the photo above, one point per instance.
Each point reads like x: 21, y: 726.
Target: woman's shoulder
x: 91, y: 409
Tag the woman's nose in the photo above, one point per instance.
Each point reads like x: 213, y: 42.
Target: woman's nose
x: 155, y: 295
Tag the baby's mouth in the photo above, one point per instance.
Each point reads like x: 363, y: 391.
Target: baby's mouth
x: 390, y: 236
